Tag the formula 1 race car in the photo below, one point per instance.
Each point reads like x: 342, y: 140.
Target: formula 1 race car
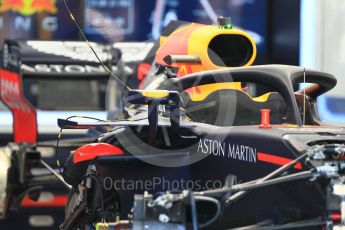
x: 207, y: 142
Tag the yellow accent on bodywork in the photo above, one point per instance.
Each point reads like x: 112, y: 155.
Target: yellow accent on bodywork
x: 162, y: 40
x: 290, y: 126
x: 205, y: 90
x: 201, y: 38
x: 262, y: 98
x: 155, y: 93
x: 102, y: 226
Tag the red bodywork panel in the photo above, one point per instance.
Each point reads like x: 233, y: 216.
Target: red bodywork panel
x: 91, y: 151
x: 276, y: 160
x: 24, y: 115
x: 143, y: 71
x: 56, y: 202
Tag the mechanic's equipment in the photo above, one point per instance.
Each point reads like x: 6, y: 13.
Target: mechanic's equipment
x: 327, y: 160
x: 339, y: 190
x: 57, y: 175
x: 166, y: 211
x: 15, y: 162
x: 154, y: 98
x: 265, y: 119
x: 113, y: 226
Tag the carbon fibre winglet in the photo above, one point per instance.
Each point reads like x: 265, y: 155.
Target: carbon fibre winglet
x: 154, y: 98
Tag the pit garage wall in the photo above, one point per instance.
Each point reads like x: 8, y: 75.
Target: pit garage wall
x: 322, y: 47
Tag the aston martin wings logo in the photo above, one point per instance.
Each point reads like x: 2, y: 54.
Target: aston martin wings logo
x: 28, y: 7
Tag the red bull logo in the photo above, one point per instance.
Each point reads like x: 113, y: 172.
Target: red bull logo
x: 28, y: 7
